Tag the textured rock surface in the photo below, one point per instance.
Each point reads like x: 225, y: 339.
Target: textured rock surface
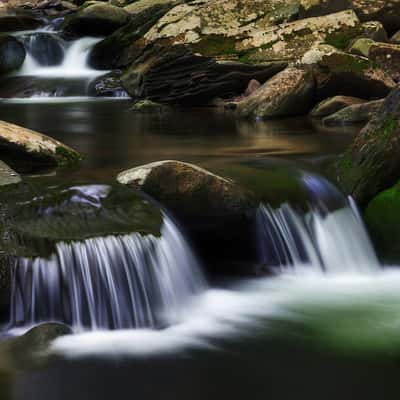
x: 354, y: 114
x: 290, y: 92
x: 332, y: 105
x: 387, y: 56
x: 372, y: 164
x: 7, y: 175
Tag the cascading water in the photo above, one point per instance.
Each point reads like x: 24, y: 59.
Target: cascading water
x: 333, y: 240
x: 130, y: 281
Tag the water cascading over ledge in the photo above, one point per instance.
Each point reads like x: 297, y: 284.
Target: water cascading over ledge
x: 115, y: 282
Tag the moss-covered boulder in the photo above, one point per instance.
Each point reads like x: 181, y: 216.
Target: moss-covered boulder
x: 98, y: 19
x: 372, y: 162
x: 291, y: 92
x: 387, y: 57
x: 25, y: 149
x: 332, y: 105
x: 354, y: 114
x: 382, y: 217
x: 12, y: 54
x: 340, y: 73
x: 361, y: 47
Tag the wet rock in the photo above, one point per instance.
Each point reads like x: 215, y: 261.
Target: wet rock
x: 371, y: 164
x: 340, y: 73
x: 7, y: 175
x: 147, y: 106
x: 354, y: 114
x: 216, y: 213
x: 387, y: 57
x: 332, y: 105
x: 45, y: 48
x: 289, y: 93
x: 99, y: 19
x: 142, y: 6
x: 21, y: 147
x: 188, y: 190
x: 108, y: 85
x: 12, y: 54
x: 395, y: 39
x: 175, y: 74
x: 374, y: 30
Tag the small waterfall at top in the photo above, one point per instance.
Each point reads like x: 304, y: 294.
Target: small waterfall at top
x: 73, y: 63
x: 115, y: 282
x: 330, y: 237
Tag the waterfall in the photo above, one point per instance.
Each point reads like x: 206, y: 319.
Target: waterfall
x: 114, y: 282
x: 73, y: 63
x: 331, y: 236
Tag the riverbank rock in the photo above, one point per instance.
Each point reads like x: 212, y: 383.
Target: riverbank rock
x: 216, y: 213
x: 354, y: 114
x: 23, y: 148
x: 12, y: 20
x: 289, y: 93
x: 371, y: 164
x: 12, y: 54
x: 382, y: 217
x: 361, y: 47
x: 387, y: 56
x: 147, y: 107
x: 340, y: 73
x: 108, y: 85
x: 332, y: 105
x: 317, y: 8
x: 98, y: 19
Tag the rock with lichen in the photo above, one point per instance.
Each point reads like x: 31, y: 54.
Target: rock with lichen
x: 387, y: 57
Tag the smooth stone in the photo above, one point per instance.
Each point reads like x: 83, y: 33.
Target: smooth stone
x: 332, y: 105
x: 12, y: 54
x: 7, y: 175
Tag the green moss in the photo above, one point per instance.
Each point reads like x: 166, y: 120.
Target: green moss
x: 341, y: 39
x: 216, y: 45
x: 67, y: 156
x: 382, y: 217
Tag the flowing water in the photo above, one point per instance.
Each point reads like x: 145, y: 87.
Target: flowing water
x: 325, y: 326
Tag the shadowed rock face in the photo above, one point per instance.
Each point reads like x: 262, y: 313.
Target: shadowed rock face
x: 372, y: 164
x: 12, y: 54
x: 177, y: 75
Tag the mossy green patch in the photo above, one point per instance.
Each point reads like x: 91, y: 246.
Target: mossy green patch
x: 216, y: 45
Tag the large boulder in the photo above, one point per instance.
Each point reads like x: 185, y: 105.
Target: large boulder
x: 98, y: 19
x: 12, y: 54
x: 354, y: 114
x: 216, y: 212
x: 26, y: 149
x: 340, y: 73
x: 16, y: 20
x: 333, y: 105
x: 372, y: 164
x: 317, y: 8
x: 291, y: 92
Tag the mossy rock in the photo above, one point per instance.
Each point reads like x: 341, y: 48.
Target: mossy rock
x: 35, y: 217
x: 382, y: 217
